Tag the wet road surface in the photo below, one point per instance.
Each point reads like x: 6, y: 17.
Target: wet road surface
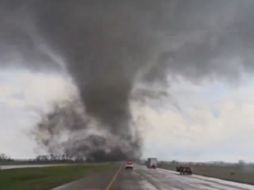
x: 142, y: 178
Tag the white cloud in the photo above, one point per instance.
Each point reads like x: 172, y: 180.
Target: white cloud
x: 215, y: 122
x: 24, y: 95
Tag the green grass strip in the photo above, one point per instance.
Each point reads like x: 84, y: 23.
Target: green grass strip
x: 48, y: 177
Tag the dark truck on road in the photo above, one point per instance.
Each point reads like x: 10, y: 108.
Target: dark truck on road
x: 184, y: 170
x: 152, y: 163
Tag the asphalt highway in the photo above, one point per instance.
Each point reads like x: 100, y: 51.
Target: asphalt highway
x: 142, y: 178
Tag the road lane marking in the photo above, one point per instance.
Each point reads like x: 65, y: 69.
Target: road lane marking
x: 113, y: 179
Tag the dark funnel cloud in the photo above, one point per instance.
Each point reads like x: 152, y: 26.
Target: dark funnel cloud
x: 105, y: 44
x: 111, y: 48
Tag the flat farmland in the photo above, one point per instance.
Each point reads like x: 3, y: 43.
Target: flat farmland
x: 48, y: 177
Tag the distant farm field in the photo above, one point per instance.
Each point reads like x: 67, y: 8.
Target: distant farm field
x: 236, y: 173
x: 48, y: 177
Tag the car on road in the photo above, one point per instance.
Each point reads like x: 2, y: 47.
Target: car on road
x: 129, y: 164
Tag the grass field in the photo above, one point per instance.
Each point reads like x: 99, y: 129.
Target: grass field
x: 236, y: 173
x: 47, y: 178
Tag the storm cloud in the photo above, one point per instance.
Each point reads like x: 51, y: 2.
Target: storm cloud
x: 108, y: 47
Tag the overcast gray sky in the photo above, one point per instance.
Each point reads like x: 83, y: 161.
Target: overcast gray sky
x: 171, y: 79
